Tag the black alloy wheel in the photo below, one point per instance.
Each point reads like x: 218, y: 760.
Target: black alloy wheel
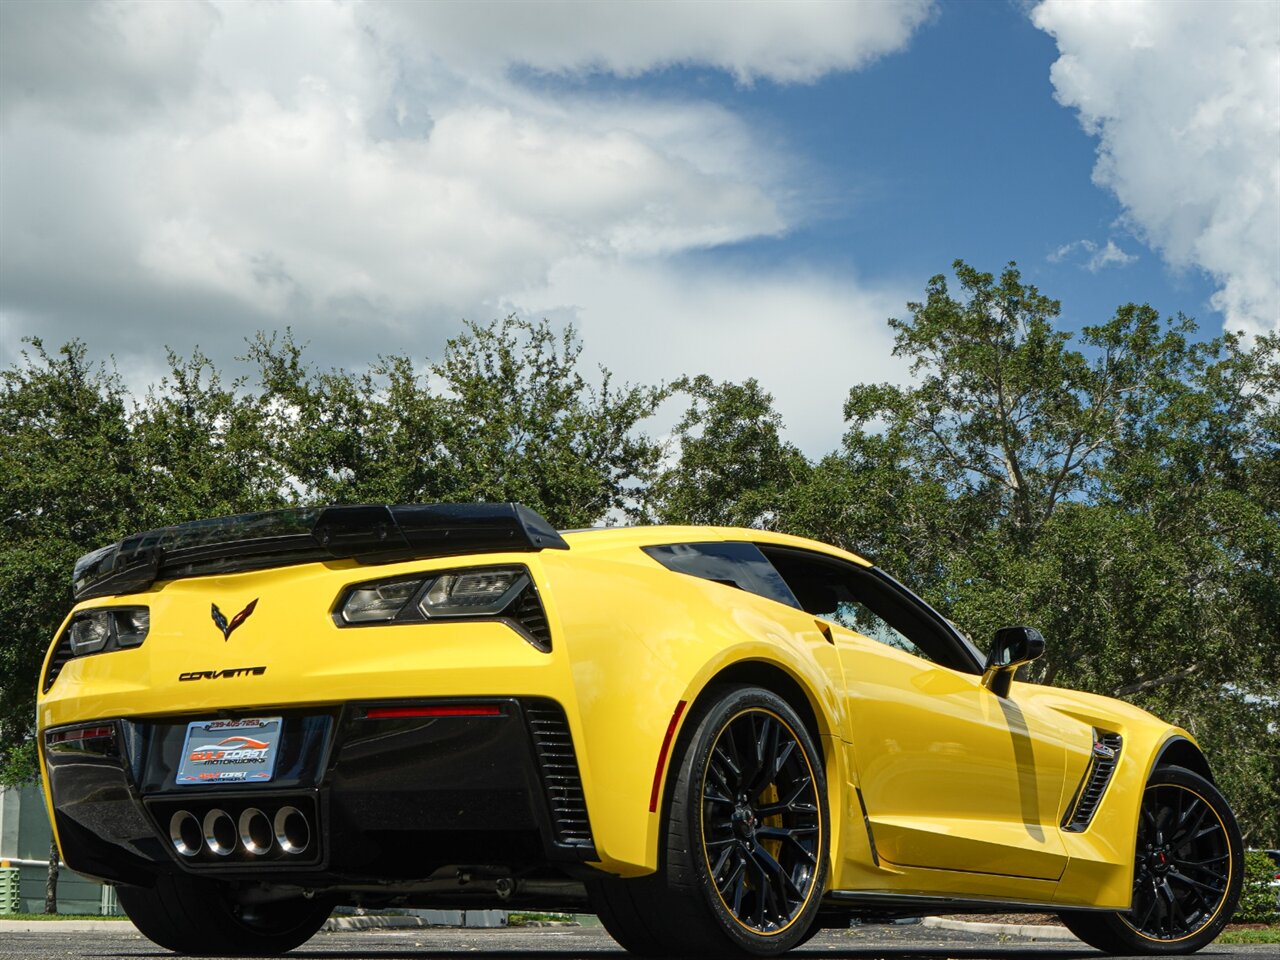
x: 1187, y: 872
x: 761, y: 831
x: 745, y: 860
x: 1183, y: 864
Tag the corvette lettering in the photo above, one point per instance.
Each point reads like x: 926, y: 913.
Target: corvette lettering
x: 227, y: 674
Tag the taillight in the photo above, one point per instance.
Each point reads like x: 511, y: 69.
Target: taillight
x: 505, y: 593
x: 463, y: 593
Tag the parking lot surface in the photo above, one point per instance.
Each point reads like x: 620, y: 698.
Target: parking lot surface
x: 872, y: 942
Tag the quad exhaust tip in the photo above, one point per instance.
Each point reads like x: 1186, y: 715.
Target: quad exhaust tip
x: 255, y: 832
x: 293, y: 833
x: 184, y: 831
x: 219, y: 832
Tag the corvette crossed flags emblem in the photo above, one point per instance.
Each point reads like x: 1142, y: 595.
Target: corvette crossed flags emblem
x: 220, y: 621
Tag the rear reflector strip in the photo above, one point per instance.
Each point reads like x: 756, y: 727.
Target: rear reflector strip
x: 83, y: 733
x: 662, y: 755
x: 400, y: 713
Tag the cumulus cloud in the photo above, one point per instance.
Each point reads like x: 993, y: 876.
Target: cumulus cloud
x: 806, y: 337
x: 100, y: 65
x: 1185, y: 101
x: 372, y: 173
x: 792, y: 42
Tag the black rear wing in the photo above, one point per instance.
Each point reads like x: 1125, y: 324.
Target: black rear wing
x: 254, y: 541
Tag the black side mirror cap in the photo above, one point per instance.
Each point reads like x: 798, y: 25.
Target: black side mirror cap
x: 1011, y: 648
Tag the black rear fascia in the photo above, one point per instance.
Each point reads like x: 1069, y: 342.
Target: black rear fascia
x: 389, y: 799
x: 371, y: 533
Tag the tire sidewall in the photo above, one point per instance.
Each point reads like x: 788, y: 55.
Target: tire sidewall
x: 198, y: 916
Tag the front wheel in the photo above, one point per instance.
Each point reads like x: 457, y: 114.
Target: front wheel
x: 201, y: 918
x: 746, y: 858
x: 1187, y: 872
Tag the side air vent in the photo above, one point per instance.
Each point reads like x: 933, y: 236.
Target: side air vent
x: 61, y: 655
x: 526, y: 610
x: 558, y: 765
x: 1106, y: 754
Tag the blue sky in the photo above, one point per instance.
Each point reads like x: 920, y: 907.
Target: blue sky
x: 954, y: 148
x: 742, y: 189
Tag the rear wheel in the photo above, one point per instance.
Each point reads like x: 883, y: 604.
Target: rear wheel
x: 745, y: 860
x: 1187, y: 872
x: 200, y: 917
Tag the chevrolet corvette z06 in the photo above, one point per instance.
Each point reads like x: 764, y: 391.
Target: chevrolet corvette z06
x: 718, y: 740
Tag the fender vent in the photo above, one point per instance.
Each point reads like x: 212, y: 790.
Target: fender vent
x: 558, y: 765
x: 1106, y: 754
x: 526, y: 610
x: 61, y: 655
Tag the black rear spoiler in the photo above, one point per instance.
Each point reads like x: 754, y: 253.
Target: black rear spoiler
x: 253, y: 541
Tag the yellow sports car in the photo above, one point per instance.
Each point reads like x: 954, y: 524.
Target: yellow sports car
x: 721, y: 740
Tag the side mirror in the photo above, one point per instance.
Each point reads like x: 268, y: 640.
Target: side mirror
x: 1011, y: 648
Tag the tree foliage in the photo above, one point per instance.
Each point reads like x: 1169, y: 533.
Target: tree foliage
x: 733, y: 465
x: 505, y: 414
x: 1118, y: 487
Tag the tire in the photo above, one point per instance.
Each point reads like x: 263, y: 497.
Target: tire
x: 745, y: 857
x: 1187, y: 874
x: 199, y: 917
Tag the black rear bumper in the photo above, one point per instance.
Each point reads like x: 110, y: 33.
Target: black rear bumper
x: 387, y: 798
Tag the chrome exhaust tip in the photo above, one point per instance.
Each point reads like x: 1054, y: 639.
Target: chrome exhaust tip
x: 256, y: 833
x: 292, y: 831
x: 219, y: 832
x: 185, y: 833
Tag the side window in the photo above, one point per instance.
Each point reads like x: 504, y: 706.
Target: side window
x: 740, y: 565
x: 856, y: 616
x: 870, y: 603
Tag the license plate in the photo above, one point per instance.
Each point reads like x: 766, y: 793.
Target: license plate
x: 230, y: 751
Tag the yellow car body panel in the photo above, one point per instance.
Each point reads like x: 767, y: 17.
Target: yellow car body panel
x: 936, y: 786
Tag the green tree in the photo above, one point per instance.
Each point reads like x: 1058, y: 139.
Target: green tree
x: 524, y: 424
x: 732, y: 467
x: 205, y: 448
x: 506, y: 414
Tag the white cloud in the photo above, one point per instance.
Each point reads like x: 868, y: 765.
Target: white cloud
x: 1185, y: 98
x: 100, y: 64
x: 806, y: 338
x: 1090, y: 256
x: 791, y: 42
x: 192, y: 173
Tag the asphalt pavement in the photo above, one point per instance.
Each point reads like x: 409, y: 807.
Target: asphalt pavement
x: 871, y: 942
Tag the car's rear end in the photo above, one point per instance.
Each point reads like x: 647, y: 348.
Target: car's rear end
x: 361, y: 698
